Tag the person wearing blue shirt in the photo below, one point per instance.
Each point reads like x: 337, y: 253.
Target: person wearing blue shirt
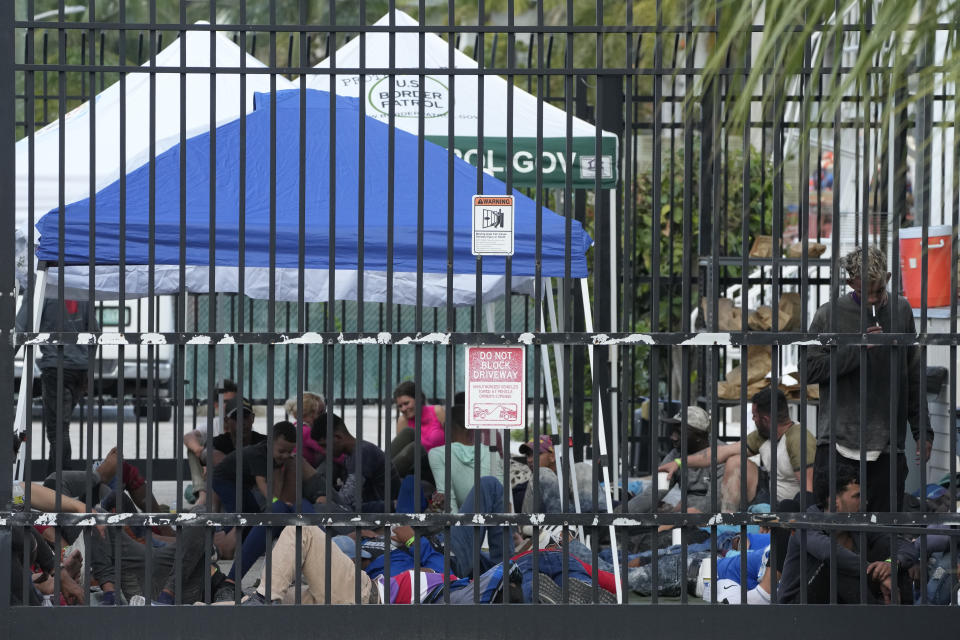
x: 401, y: 556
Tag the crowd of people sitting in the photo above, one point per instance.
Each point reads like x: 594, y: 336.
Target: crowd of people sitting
x: 312, y: 462
x: 331, y: 471
x: 241, y: 470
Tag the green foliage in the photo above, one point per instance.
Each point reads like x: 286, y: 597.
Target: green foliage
x: 671, y: 206
x: 619, y: 50
x: 893, y: 36
x: 585, y: 50
x: 664, y: 219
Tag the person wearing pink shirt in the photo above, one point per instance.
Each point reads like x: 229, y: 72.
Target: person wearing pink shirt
x: 404, y: 447
x: 312, y: 405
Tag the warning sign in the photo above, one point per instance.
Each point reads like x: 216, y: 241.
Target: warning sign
x: 494, y: 387
x: 492, y: 226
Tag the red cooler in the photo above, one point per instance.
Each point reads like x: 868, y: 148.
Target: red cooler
x: 938, y: 249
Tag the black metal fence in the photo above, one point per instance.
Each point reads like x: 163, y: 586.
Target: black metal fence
x: 233, y: 220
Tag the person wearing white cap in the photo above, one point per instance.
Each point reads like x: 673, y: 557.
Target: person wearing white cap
x: 776, y: 436
x: 698, y: 481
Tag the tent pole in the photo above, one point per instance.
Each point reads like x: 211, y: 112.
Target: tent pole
x: 614, y: 380
x: 552, y: 310
x: 490, y: 317
x: 566, y: 453
x: 23, y: 398
x: 601, y: 437
x: 558, y: 358
x: 552, y: 408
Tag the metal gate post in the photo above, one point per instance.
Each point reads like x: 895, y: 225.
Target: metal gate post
x: 609, y: 117
x: 7, y: 278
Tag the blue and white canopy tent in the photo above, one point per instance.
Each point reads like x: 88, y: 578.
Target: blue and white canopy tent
x: 154, y: 247
x: 256, y: 255
x: 114, y: 132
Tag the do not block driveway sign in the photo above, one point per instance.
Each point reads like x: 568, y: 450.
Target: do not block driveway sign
x: 493, y: 228
x: 495, y: 387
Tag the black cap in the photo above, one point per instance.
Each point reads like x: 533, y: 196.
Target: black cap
x: 234, y: 404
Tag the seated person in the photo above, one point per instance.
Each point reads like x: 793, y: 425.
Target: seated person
x: 103, y: 479
x: 363, y: 470
x: 848, y: 555
x: 698, y: 481
x: 404, y: 448
x: 789, y: 436
x: 39, y: 571
x: 465, y: 498
x: 550, y: 499
x: 223, y: 444
x: 312, y: 569
x: 194, y: 441
x: 312, y: 405
x: 938, y: 589
x: 256, y: 464
x: 255, y: 467
x: 758, y: 577
x: 462, y: 462
x: 41, y: 558
x: 364, y: 489
x: 164, y: 565
x: 398, y: 589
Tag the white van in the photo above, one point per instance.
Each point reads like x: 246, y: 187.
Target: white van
x: 132, y: 317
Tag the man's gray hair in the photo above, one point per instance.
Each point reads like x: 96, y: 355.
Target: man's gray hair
x: 876, y: 264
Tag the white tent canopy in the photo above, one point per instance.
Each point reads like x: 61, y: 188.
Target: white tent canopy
x: 465, y: 107
x: 136, y: 110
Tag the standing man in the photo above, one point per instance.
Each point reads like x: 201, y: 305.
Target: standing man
x: 75, y: 359
x: 902, y: 392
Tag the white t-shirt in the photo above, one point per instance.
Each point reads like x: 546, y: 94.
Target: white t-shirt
x: 788, y: 457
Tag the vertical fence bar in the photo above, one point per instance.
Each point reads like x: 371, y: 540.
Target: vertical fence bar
x: 451, y: 318
x: 388, y: 304
x: 508, y: 303
x: 274, y: 145
x: 686, y: 269
x: 656, y: 179
x: 331, y: 271
x: 954, y: 287
x: 7, y: 275
x: 745, y: 211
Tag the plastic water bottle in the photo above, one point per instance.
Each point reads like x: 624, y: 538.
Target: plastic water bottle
x: 137, y: 601
x: 18, y: 493
x: 47, y: 601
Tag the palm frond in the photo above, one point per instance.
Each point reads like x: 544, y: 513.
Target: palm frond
x: 837, y: 48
